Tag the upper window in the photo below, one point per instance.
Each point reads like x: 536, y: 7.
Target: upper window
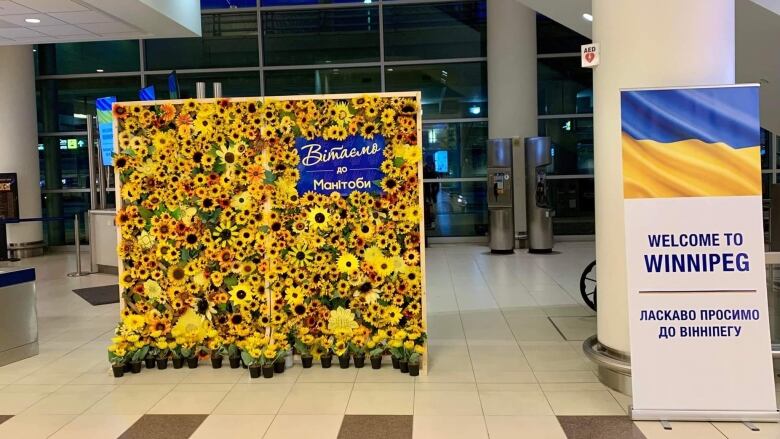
x: 229, y: 40
x: 435, y: 31
x: 304, y: 37
x: 91, y: 57
x: 322, y: 81
x: 307, y: 2
x: 234, y: 84
x: 564, y: 87
x: 227, y: 4
x: 553, y: 37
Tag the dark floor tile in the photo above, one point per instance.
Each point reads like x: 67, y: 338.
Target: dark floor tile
x: 4, y: 418
x: 376, y: 426
x: 599, y: 427
x: 164, y: 427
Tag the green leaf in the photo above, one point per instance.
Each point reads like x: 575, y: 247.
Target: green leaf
x: 145, y: 213
x: 185, y: 255
x: 270, y: 177
x: 248, y: 360
x: 186, y: 352
x: 398, y: 162
x: 176, y: 213
x: 231, y: 281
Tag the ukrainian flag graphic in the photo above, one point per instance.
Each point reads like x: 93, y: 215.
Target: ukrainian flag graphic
x: 694, y: 142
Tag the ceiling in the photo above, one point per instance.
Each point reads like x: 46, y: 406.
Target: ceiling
x: 56, y: 21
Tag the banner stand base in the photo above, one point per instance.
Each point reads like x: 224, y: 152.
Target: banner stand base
x: 704, y: 415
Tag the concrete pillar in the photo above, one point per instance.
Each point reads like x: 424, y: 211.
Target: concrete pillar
x: 19, y: 137
x: 661, y: 43
x: 511, y: 69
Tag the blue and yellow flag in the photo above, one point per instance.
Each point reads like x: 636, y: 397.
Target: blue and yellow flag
x: 692, y: 142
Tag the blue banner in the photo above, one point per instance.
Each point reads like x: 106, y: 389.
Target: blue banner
x: 106, y: 128
x: 340, y: 166
x: 147, y: 93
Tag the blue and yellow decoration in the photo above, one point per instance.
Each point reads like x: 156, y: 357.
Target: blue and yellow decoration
x: 693, y: 142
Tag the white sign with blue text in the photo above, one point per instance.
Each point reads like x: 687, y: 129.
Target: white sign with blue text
x: 697, y: 295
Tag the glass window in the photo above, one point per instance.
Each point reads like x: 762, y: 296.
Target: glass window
x: 572, y: 142
x: 63, y: 104
x: 322, y: 81
x: 766, y: 149
x: 234, y: 84
x: 229, y: 40
x: 91, y: 57
x: 326, y: 36
x: 553, y: 37
x: 227, y: 4
x: 455, y: 208
x: 564, y: 87
x: 573, y: 202
x: 64, y: 205
x: 309, y: 2
x: 452, y: 150
x: 435, y: 31
x: 63, y: 162
x: 448, y: 90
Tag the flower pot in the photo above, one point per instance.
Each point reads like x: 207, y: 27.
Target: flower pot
x: 235, y: 362
x: 306, y: 361
x: 396, y: 363
x: 268, y: 371
x: 216, y: 362
x: 192, y: 362
x: 119, y: 370
x: 279, y: 366
x: 255, y: 371
x: 344, y: 361
x: 127, y: 367
x: 149, y: 363
x: 178, y: 363
x: 414, y: 369
x: 325, y: 361
x: 360, y: 360
x: 404, y: 366
x: 376, y: 362
x: 162, y: 363
x: 135, y: 367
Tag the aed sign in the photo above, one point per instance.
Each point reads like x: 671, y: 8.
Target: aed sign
x: 589, y: 54
x: 342, y: 166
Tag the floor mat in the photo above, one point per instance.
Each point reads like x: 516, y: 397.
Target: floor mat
x: 102, y: 295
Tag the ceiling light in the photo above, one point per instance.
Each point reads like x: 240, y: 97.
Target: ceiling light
x: 587, y: 17
x: 99, y: 70
x: 475, y: 109
x: 32, y: 20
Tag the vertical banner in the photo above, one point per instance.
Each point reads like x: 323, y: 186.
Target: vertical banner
x: 106, y: 128
x: 700, y: 345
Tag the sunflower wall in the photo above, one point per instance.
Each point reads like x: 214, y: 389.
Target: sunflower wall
x: 296, y: 220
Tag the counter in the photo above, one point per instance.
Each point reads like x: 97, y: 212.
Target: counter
x: 103, y: 241
x: 18, y: 318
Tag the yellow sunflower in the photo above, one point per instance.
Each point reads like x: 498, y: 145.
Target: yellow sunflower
x: 241, y: 294
x: 319, y: 219
x: 347, y: 263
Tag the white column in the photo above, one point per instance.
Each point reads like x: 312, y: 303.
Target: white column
x: 658, y: 43
x: 19, y: 137
x: 512, y: 101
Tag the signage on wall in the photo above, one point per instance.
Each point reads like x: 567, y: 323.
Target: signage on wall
x: 106, y: 128
x: 700, y: 345
x: 9, y: 196
x: 589, y: 54
x: 342, y: 166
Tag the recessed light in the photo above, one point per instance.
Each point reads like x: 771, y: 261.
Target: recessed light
x: 99, y: 70
x: 32, y: 20
x: 587, y: 17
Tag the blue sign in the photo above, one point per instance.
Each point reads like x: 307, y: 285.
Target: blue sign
x: 106, y: 128
x: 340, y: 166
x: 147, y: 93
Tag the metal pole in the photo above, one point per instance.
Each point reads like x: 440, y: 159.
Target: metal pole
x: 217, y: 89
x: 91, y: 161
x: 78, y: 272
x: 200, y: 90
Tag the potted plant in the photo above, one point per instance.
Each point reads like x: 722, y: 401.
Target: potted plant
x: 376, y: 349
x: 303, y: 344
x: 191, y: 331
x: 358, y: 348
x: 414, y: 360
x: 116, y: 356
x: 217, y: 350
x: 322, y: 351
x: 151, y: 356
x: 282, y: 347
x: 161, y: 352
x: 176, y: 357
x: 269, y: 360
x: 341, y: 349
x: 397, y: 351
x: 253, y: 360
x: 136, y: 358
x: 279, y: 361
x: 234, y: 356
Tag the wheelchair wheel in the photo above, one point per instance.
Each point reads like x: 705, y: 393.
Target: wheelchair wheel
x: 588, y: 285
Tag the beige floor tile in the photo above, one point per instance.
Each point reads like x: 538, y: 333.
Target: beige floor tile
x: 30, y: 388
x: 504, y: 376
x: 205, y: 374
x: 737, y: 430
x: 69, y: 400
x: 44, y: 377
x: 97, y: 426
x: 562, y: 387
x: 167, y: 376
x: 381, y: 399
x: 576, y: 328
x: 506, y: 403
x: 191, y: 387
x: 130, y: 400
x: 533, y: 329
x: 625, y: 401
x: 248, y: 399
x: 289, y: 376
x: 680, y: 430
x: 536, y: 427
x: 33, y: 426
x: 445, y: 401
x: 180, y: 403
x: 15, y: 403
x: 566, y: 376
x: 584, y: 403
x: 384, y: 375
x: 449, y: 427
x: 92, y: 377
x: 333, y: 374
x: 304, y: 426
x: 317, y: 399
x: 233, y: 426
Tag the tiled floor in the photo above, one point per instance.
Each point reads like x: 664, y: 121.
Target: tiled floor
x: 505, y: 362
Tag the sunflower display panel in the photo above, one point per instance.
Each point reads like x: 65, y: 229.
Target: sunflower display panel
x: 271, y: 224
